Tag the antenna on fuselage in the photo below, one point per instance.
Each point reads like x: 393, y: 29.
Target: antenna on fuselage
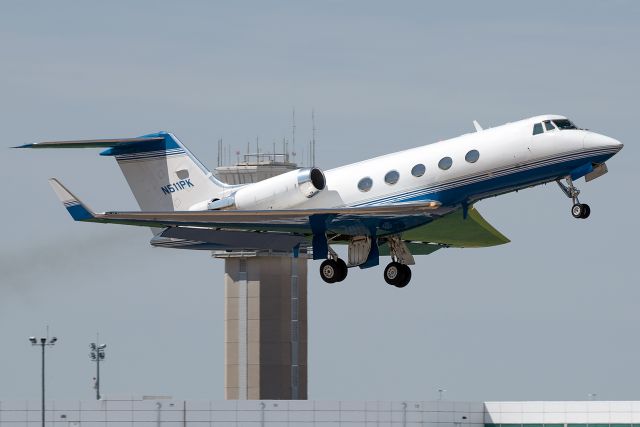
x: 477, y: 126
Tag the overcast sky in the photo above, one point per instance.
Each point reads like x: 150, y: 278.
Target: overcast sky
x: 552, y: 315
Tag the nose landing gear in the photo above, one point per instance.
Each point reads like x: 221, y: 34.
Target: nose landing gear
x: 578, y: 210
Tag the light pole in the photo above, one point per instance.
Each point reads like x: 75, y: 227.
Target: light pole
x: 97, y: 354
x: 43, y: 342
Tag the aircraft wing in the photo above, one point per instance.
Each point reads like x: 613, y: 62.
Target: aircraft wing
x: 286, y: 228
x: 293, y: 220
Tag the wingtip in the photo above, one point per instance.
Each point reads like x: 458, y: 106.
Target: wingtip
x: 24, y: 146
x: 77, y: 209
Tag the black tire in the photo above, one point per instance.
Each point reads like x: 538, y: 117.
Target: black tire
x: 329, y: 271
x: 342, y: 269
x: 577, y: 210
x: 406, y: 276
x: 394, y: 273
x: 586, y: 211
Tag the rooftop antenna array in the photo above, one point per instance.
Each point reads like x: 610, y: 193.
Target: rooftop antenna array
x: 289, y: 154
x: 293, y: 133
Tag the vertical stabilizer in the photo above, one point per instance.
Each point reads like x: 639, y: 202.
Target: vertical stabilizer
x: 163, y: 175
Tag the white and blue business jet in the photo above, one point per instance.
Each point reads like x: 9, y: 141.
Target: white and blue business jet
x: 412, y: 202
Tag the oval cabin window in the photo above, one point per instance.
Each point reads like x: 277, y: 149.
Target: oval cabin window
x: 472, y: 156
x: 445, y: 163
x: 391, y: 177
x: 418, y: 170
x: 365, y: 184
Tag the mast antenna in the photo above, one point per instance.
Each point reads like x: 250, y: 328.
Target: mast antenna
x: 313, y: 137
x: 293, y: 133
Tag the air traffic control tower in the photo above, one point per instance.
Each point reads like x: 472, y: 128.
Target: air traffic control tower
x: 265, y: 306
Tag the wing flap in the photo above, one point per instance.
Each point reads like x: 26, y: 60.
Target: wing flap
x: 208, y: 239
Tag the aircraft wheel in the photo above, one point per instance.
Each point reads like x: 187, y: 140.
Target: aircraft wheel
x: 394, y: 273
x: 407, y: 276
x: 586, y: 211
x: 577, y: 210
x: 342, y: 270
x: 330, y: 271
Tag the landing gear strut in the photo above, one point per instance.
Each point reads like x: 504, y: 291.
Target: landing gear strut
x: 578, y: 210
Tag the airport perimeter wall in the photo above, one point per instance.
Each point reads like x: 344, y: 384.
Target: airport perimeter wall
x: 167, y: 412
x: 250, y: 413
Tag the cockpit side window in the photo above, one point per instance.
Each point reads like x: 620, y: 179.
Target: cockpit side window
x: 548, y: 125
x: 537, y: 128
x: 564, y: 124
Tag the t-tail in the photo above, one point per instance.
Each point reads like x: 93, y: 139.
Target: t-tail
x: 161, y: 172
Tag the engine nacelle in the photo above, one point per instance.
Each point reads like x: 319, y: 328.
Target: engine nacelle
x: 284, y: 191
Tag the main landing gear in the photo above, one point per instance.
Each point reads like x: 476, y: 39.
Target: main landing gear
x: 398, y: 275
x: 578, y: 210
x: 333, y: 270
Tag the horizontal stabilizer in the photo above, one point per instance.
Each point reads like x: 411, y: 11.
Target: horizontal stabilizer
x: 92, y: 143
x: 77, y: 209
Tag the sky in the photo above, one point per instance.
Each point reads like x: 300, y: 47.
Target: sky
x: 551, y: 316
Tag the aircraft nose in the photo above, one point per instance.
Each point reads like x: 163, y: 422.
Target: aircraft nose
x: 596, y: 140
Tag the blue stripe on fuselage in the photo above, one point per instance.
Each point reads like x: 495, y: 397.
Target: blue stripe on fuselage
x: 480, y: 188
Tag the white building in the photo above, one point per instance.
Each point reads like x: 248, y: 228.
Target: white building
x: 155, y: 411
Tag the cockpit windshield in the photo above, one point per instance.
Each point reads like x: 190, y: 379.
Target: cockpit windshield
x: 552, y: 125
x: 564, y: 124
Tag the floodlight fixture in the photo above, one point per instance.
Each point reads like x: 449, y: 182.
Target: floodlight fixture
x: 96, y: 355
x: 43, y: 342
